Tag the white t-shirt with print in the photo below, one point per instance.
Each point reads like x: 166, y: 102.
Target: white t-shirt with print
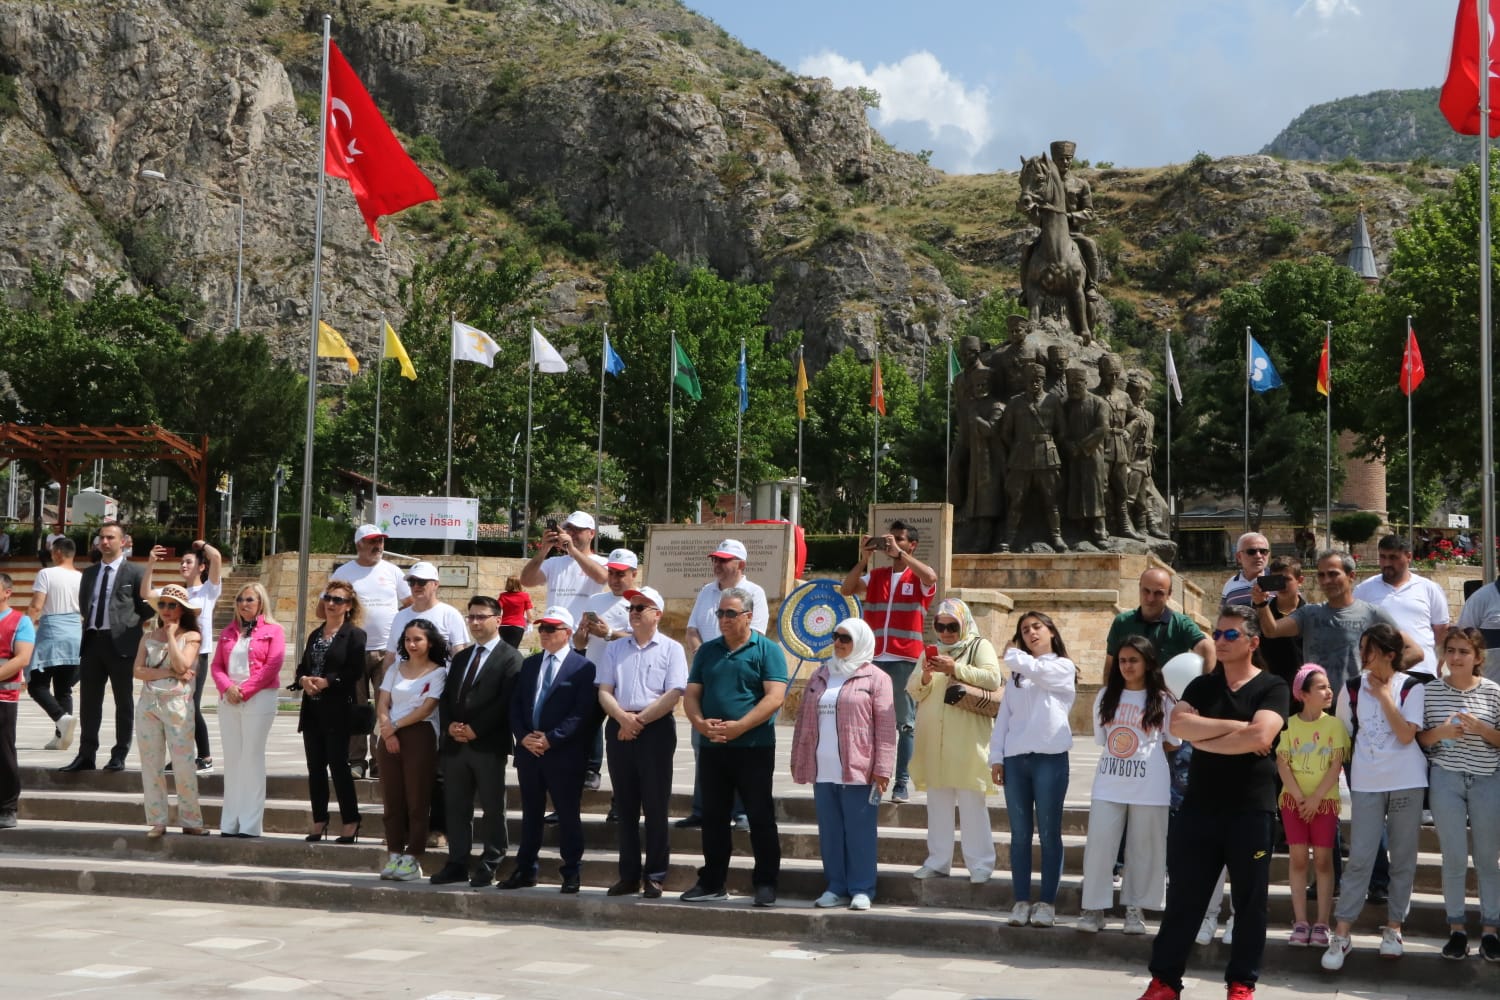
x: 381, y: 589
x: 830, y: 765
x: 1382, y: 763
x: 1133, y: 767
x: 407, y: 695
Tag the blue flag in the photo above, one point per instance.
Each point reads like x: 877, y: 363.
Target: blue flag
x: 1262, y: 373
x: 742, y: 379
x: 612, y: 361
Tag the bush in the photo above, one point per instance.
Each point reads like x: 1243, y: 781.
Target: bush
x: 831, y: 553
x: 487, y: 184
x: 328, y: 534
x: 9, y: 102
x: 1281, y: 232
x: 1352, y: 529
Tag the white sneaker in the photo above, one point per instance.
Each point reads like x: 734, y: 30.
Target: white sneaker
x: 1089, y: 922
x: 1228, y: 937
x: 389, y: 871
x: 1042, y: 915
x: 859, y: 902
x: 979, y: 876
x: 1390, y: 942
x: 407, y: 869
x: 1207, y: 930
x: 1135, y: 921
x: 1338, y: 950
x: 829, y: 900
x: 68, y: 726
x: 925, y: 872
x: 1020, y: 914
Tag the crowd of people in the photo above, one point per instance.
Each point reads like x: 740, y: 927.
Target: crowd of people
x: 1291, y: 701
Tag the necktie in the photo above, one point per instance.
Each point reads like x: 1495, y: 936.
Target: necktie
x: 470, y: 674
x: 543, y: 687
x: 101, y: 599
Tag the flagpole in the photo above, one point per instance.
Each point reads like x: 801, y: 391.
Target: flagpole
x: 526, y: 494
x: 304, y: 527
x: 671, y: 421
x: 1171, y: 506
x: 1486, y: 377
x: 948, y: 428
x: 599, y: 454
x: 875, y: 471
x: 1411, y: 515
x: 379, y: 372
x: 801, y: 367
x: 1328, y: 439
x: 1249, y: 367
x: 739, y: 432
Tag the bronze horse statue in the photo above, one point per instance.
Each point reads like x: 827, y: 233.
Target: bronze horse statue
x: 1054, y: 269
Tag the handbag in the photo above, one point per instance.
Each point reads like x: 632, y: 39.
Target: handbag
x: 362, y: 720
x: 972, y: 699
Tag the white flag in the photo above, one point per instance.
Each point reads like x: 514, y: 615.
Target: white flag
x: 1172, y: 375
x: 545, y: 356
x: 473, y: 344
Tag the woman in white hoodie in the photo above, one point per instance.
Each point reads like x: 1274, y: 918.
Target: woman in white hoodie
x: 1029, y: 758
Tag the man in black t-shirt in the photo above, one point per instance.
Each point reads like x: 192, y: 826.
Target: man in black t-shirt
x: 1233, y: 717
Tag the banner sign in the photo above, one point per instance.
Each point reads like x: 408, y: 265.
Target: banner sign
x: 429, y: 517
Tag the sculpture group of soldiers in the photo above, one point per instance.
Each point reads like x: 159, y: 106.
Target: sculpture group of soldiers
x: 1037, y: 448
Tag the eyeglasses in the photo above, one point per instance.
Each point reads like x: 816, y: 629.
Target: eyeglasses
x: 247, y: 599
x: 728, y: 613
x: 842, y: 637
x: 168, y: 606
x: 637, y: 609
x: 477, y: 618
x: 719, y: 560
x: 945, y: 626
x: 1227, y: 634
x: 412, y: 581
x: 549, y: 629
x: 1256, y: 552
x: 335, y: 599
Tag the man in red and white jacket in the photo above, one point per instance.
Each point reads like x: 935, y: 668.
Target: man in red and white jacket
x: 895, y: 598
x: 17, y: 638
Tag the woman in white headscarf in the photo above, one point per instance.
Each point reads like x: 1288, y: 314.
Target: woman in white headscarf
x: 844, y: 745
x: 951, y: 758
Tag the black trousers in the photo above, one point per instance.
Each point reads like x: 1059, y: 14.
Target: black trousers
x: 512, y: 635
x: 325, y: 748
x: 724, y: 771
x: 640, y: 773
x: 10, y: 770
x: 52, y: 688
x: 99, y: 665
x: 1199, y: 846
x: 367, y: 692
x: 467, y: 772
x: 200, y: 724
x: 561, y: 779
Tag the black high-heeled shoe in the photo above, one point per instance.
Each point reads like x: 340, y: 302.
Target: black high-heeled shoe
x: 353, y: 837
x: 313, y: 838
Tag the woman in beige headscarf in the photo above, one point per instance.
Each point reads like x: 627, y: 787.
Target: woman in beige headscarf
x: 951, y: 759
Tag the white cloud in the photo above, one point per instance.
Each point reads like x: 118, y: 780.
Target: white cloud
x: 1326, y: 10
x: 918, y: 89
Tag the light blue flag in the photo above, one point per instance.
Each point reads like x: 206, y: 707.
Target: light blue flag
x: 1262, y: 373
x: 742, y: 379
x: 613, y: 363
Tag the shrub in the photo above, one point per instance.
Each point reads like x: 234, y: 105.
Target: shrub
x: 1352, y: 529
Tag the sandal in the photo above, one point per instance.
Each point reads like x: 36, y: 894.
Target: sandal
x: 156, y: 833
x: 194, y: 831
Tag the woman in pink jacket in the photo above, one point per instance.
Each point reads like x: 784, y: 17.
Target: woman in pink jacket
x: 845, y: 747
x: 247, y: 672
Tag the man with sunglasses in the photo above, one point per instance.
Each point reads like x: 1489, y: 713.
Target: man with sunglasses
x: 1251, y: 552
x: 641, y: 678
x: 423, y: 581
x: 896, y: 598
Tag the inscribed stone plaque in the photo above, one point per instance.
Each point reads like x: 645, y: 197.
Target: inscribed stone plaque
x: 677, y: 557
x: 934, y: 523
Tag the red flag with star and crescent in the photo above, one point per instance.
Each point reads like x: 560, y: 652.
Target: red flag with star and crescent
x: 1459, y: 98
x: 1412, y: 369
x: 363, y: 150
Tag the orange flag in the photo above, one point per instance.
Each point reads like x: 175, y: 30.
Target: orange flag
x: 877, y: 390
x: 1323, y: 369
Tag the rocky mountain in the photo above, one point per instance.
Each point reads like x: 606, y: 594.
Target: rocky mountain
x: 1388, y: 125
x: 602, y: 130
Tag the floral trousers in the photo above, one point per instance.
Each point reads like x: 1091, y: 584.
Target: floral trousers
x: 164, y: 726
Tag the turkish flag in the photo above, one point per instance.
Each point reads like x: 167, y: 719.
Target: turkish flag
x: 1412, y: 369
x: 362, y: 149
x: 1459, y: 100
x: 1323, y: 384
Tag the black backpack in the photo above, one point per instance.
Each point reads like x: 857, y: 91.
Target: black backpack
x: 1410, y: 681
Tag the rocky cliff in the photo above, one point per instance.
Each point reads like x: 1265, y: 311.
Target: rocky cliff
x: 1389, y: 125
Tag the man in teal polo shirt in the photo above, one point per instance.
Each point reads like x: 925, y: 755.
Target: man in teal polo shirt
x: 737, y: 683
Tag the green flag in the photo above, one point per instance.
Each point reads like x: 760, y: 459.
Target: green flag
x: 953, y: 368
x: 684, y: 374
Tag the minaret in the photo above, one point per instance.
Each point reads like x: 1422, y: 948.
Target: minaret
x: 1362, y: 256
x: 1364, y: 479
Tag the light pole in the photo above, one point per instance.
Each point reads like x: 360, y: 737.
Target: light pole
x: 239, y: 266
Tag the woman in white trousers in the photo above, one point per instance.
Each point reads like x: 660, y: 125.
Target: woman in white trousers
x: 247, y: 672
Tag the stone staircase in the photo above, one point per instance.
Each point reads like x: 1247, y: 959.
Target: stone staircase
x: 86, y: 833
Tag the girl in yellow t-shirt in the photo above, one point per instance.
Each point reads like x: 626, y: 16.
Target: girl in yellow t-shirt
x: 1311, y: 752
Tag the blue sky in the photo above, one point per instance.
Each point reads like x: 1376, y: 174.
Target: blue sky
x: 1136, y: 82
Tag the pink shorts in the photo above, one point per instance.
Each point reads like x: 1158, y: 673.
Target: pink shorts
x: 1319, y: 833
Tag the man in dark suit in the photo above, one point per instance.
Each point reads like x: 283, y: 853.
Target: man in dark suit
x: 554, y: 696
x: 475, y: 715
x: 112, y: 603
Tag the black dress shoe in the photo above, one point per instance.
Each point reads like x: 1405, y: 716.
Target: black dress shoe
x: 79, y: 763
x: 652, y: 889
x: 624, y: 887
x: 519, y: 879
x: 481, y: 878
x: 115, y: 764
x: 570, y: 884
x: 689, y: 822
x: 550, y: 819
x: 448, y: 874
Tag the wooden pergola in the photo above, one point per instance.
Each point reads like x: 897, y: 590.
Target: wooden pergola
x: 61, y: 452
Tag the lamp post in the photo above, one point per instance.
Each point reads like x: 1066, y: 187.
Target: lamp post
x: 239, y: 267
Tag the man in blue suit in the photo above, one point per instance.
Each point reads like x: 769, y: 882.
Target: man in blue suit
x: 554, y: 696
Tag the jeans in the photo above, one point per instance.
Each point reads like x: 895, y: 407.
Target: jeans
x: 1461, y: 804
x: 1036, y: 781
x: 1397, y: 818
x: 899, y: 671
x: 847, y: 837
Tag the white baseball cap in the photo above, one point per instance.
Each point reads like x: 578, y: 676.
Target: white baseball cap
x: 423, y: 571
x: 580, y: 519
x: 557, y: 615
x: 622, y: 559
x: 367, y: 531
x: 649, y: 593
x: 731, y: 548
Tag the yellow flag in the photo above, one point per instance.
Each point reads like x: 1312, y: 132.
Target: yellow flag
x: 331, y: 344
x: 393, y: 349
x: 801, y: 388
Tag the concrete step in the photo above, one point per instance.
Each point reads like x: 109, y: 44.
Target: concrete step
x: 801, y: 869
x: 890, y: 924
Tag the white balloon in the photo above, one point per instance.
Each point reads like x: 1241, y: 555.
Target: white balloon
x: 1180, y: 670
